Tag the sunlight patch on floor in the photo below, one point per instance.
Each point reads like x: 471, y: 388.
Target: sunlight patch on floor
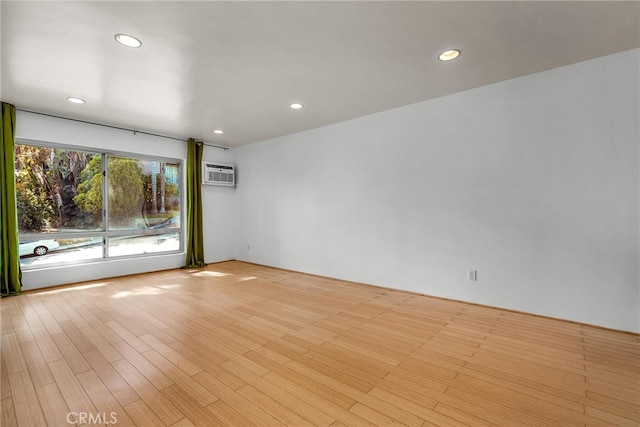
x: 147, y: 290
x: 68, y: 289
x: 244, y: 279
x: 209, y: 274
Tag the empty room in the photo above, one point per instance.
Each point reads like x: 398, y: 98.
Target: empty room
x: 320, y: 213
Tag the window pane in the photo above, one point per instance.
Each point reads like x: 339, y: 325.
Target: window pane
x: 61, y: 205
x: 143, y: 193
x: 58, y: 190
x: 143, y: 244
x: 43, y: 251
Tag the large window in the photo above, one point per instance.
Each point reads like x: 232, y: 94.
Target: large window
x: 75, y: 206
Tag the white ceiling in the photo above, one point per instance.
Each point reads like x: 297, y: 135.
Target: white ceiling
x: 237, y: 66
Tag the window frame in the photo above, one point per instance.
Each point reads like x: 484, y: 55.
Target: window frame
x: 105, y: 234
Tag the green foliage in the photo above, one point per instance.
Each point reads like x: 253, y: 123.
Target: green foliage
x: 125, y: 188
x: 34, y: 204
x: 89, y: 197
x: 48, y: 179
x: 34, y: 210
x: 171, y: 193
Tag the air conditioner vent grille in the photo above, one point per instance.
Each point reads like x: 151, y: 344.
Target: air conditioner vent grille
x: 218, y: 174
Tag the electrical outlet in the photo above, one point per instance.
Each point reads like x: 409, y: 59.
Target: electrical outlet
x: 473, y: 275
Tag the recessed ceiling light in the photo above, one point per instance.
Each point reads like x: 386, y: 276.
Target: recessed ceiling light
x: 449, y: 55
x: 218, y: 131
x: 296, y: 106
x: 127, y: 40
x: 76, y: 100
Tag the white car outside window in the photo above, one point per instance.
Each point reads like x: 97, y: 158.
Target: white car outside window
x: 37, y: 247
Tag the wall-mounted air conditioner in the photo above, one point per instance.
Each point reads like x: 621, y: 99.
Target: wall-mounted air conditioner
x: 218, y: 174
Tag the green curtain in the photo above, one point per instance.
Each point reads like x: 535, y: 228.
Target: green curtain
x: 195, y: 239
x: 11, y: 274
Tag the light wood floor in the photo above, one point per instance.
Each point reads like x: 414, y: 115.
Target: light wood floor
x: 241, y: 345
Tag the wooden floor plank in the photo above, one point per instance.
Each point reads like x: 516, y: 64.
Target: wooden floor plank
x: 394, y: 412
x: 47, y: 346
x: 179, y: 361
x: 30, y: 314
x: 11, y: 353
x: 280, y: 396
x: 158, y: 403
x: 228, y: 416
x: 101, y: 344
x: 326, y: 406
x: 614, y: 391
x: 525, y: 402
x: 423, y: 410
x: 374, y: 416
x: 185, y: 422
x: 49, y: 322
x: 142, y: 414
x: 74, y: 394
x: 253, y: 343
x: 191, y: 387
x: 610, y: 404
x: 128, y: 336
x: 5, y: 387
x: 197, y: 413
x: 278, y: 411
x: 254, y: 413
x: 38, y: 367
x: 22, y: 391
x: 506, y: 413
x: 609, y: 418
x: 472, y: 415
x: 302, y: 385
x: 154, y: 375
x: 502, y: 377
x: 81, y: 343
x: 8, y: 417
x: 70, y: 353
x: 109, y: 409
x: 111, y: 378
x: 574, y: 403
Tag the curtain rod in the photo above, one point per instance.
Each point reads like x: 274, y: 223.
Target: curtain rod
x: 119, y: 128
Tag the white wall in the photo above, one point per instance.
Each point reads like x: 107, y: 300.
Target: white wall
x: 219, y: 227
x: 534, y: 182
x: 219, y: 213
